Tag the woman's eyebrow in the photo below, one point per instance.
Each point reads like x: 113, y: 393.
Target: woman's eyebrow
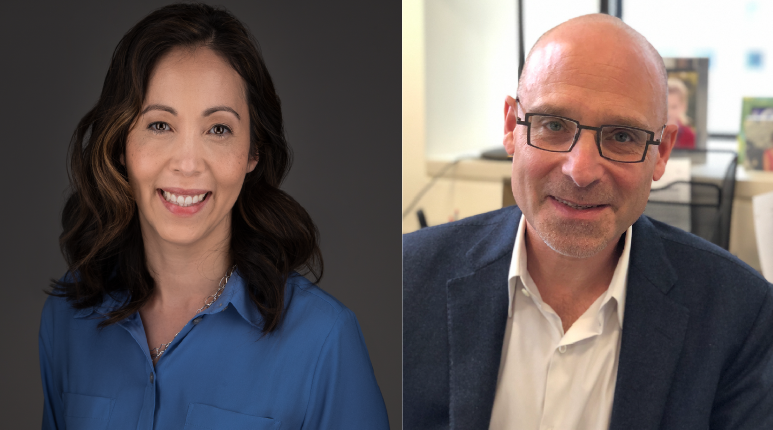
x: 159, y: 107
x: 212, y: 110
x: 206, y: 113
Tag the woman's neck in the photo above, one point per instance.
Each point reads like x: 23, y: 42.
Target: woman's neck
x: 186, y: 274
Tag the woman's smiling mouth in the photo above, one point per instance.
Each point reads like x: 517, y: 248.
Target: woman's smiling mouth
x: 183, y: 202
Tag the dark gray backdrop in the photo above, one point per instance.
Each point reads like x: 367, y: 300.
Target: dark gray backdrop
x: 336, y: 68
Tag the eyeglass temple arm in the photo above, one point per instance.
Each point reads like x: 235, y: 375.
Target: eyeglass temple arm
x: 657, y: 142
x: 518, y: 119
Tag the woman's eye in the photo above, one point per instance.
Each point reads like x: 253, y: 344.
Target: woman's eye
x: 158, y: 127
x: 219, y: 130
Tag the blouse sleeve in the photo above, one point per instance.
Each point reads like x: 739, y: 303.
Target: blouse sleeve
x: 344, y: 391
x: 52, y: 400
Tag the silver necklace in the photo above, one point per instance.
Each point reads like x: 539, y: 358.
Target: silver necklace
x: 155, y: 353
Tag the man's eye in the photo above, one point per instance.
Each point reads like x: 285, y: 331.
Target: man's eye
x: 219, y: 130
x: 622, y: 137
x: 555, y: 126
x: 158, y: 127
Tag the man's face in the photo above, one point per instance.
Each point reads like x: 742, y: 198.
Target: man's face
x: 579, y: 203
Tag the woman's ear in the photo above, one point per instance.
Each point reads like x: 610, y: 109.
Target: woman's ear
x: 252, y: 163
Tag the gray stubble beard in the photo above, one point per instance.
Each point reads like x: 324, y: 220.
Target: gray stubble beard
x: 559, y: 238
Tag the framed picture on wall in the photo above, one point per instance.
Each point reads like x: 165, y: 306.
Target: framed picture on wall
x: 755, y: 141
x: 687, y: 100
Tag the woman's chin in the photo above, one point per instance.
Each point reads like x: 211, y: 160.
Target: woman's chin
x: 179, y: 238
x: 184, y: 236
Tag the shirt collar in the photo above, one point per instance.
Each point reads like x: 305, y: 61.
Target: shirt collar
x: 518, y: 269
x: 110, y: 302
x: 234, y: 293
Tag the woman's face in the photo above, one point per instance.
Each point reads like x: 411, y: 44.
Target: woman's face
x: 189, y: 150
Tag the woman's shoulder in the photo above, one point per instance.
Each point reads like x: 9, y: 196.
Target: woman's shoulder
x: 313, y: 305
x: 57, y: 309
x: 57, y: 317
x: 309, y: 293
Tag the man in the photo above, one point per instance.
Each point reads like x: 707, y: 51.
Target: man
x: 572, y: 310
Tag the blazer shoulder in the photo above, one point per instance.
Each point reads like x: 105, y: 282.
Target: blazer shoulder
x: 433, y: 255
x: 710, y: 271
x: 457, y: 233
x: 704, y: 253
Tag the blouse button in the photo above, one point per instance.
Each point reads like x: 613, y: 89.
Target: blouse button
x: 152, y: 378
x: 197, y: 320
x: 562, y: 349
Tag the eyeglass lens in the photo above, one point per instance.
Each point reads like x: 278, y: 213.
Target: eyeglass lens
x: 557, y: 134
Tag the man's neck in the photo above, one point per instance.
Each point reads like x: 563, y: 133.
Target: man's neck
x: 568, y: 284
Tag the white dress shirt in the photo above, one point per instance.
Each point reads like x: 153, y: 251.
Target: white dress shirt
x: 551, y: 380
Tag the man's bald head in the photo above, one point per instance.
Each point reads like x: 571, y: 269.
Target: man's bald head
x: 605, y: 39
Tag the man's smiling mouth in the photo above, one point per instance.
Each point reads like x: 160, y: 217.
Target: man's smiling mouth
x: 575, y: 206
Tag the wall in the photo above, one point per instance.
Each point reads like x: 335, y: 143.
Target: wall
x: 447, y: 198
x: 472, y: 64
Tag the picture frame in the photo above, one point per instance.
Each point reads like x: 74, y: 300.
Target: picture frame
x: 688, y: 85
x: 755, y: 139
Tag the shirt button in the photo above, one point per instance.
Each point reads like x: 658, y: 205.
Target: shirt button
x: 525, y: 292
x: 562, y: 349
x: 152, y: 378
x: 197, y: 320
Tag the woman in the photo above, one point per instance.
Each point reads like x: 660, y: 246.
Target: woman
x: 182, y: 307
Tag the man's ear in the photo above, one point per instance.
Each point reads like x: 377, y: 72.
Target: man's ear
x: 511, y: 112
x: 664, y: 150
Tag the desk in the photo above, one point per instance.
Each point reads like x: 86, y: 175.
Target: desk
x: 743, y: 242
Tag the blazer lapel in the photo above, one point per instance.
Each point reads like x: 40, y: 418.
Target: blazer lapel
x: 653, y: 332
x: 477, y: 314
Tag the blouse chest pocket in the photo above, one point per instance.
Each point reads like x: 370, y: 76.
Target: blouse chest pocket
x: 205, y: 417
x: 83, y: 412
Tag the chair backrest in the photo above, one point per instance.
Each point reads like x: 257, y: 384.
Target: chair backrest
x: 726, y: 206
x: 708, y: 212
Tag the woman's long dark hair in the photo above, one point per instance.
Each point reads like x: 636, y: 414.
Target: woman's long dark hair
x: 271, y: 234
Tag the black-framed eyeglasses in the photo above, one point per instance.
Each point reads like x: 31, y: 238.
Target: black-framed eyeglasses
x: 620, y: 143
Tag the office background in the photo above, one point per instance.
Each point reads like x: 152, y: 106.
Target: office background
x: 334, y: 65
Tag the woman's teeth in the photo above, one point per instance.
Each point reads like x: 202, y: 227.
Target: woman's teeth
x: 183, y: 200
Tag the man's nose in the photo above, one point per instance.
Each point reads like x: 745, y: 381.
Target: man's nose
x: 584, y: 163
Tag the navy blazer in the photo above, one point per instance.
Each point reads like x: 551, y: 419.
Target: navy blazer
x: 697, y: 342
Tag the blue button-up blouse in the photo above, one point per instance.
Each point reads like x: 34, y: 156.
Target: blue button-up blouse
x: 313, y: 372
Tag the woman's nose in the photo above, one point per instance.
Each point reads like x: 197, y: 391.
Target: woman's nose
x: 187, y: 155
